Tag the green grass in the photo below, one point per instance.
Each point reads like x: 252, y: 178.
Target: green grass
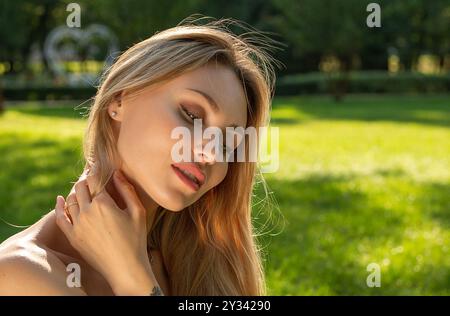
x: 366, y: 180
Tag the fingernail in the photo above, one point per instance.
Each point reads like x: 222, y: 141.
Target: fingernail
x: 58, y: 200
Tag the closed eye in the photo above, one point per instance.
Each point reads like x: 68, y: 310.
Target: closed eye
x: 186, y: 112
x: 191, y: 117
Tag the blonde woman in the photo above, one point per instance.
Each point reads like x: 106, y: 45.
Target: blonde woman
x: 135, y: 222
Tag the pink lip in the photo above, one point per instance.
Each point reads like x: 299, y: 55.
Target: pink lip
x: 193, y: 170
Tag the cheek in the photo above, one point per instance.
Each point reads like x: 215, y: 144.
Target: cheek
x: 145, y: 146
x: 144, y: 140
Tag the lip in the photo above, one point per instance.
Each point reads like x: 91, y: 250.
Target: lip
x: 191, y: 169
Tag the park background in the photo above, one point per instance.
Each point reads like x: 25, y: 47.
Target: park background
x: 364, y: 118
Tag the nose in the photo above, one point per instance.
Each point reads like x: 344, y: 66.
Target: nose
x: 203, y: 157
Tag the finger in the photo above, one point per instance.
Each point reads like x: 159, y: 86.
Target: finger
x: 129, y: 195
x: 73, y: 209
x: 62, y: 220
x: 82, y: 176
x: 104, y: 198
x: 83, y: 195
x: 93, y: 182
x: 86, y: 170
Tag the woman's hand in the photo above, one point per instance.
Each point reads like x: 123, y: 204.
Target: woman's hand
x: 113, y: 241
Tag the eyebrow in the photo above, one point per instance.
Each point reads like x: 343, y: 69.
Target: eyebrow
x: 212, y: 103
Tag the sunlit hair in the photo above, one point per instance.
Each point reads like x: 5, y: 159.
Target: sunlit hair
x: 210, y: 247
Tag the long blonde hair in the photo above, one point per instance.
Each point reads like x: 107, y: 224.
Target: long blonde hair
x: 209, y: 248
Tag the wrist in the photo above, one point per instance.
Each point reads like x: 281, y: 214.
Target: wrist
x: 137, y: 280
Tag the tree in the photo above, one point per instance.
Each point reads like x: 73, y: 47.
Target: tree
x: 326, y: 28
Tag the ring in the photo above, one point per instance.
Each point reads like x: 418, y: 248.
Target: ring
x: 70, y: 204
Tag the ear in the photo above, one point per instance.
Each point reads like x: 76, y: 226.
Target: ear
x: 115, y: 108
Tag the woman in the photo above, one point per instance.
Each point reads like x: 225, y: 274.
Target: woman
x: 136, y: 222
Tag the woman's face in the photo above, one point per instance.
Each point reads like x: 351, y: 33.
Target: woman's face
x: 144, y: 123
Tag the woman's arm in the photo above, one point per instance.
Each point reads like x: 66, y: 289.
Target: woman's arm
x: 113, y: 241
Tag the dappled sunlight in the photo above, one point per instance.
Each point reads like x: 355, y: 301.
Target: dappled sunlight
x: 362, y: 185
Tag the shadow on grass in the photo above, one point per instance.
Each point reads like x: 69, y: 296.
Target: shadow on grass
x: 284, y: 121
x: 68, y: 111
x: 34, y: 172
x: 435, y: 200
x: 334, y: 227
x: 402, y: 109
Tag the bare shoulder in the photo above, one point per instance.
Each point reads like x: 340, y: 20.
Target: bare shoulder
x: 27, y: 269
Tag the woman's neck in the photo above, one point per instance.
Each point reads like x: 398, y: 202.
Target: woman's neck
x: 149, y: 204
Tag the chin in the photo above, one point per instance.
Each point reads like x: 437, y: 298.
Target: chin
x: 173, y: 201
x: 174, y: 207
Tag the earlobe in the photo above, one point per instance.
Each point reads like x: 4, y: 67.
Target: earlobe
x: 115, y: 106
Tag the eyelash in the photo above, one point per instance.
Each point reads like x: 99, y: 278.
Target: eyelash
x: 189, y: 114
x: 193, y: 117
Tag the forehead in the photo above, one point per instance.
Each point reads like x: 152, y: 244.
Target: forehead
x: 222, y: 85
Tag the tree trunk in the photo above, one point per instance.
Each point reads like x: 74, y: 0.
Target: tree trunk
x: 340, y: 84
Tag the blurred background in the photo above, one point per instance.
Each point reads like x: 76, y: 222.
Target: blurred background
x: 363, y: 112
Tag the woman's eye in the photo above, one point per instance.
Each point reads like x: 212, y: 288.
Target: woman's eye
x: 189, y: 114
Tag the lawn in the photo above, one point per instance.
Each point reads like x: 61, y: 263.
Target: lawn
x: 363, y: 181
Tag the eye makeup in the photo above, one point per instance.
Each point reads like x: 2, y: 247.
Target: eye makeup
x: 190, y: 112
